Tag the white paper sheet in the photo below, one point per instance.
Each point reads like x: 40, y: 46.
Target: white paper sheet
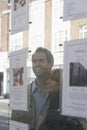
x: 18, y: 80
x: 74, y: 89
x: 19, y: 16
x: 14, y: 125
x: 74, y: 9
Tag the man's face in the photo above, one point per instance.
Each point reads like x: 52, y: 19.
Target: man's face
x: 40, y: 64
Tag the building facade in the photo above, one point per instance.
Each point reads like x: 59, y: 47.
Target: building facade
x: 4, y: 41
x: 46, y: 29
x: 79, y: 29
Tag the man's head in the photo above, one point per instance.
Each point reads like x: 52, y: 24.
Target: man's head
x: 42, y: 61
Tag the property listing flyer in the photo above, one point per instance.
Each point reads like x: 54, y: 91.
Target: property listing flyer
x: 19, y: 16
x: 74, y: 89
x: 14, y: 125
x: 74, y: 9
x: 18, y: 80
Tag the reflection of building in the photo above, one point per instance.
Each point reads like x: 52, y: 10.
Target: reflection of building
x: 78, y: 74
x: 79, y: 29
x: 46, y: 29
x: 1, y: 83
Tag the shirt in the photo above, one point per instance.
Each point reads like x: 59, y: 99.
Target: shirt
x: 41, y: 103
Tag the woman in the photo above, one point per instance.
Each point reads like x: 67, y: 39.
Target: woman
x: 53, y: 120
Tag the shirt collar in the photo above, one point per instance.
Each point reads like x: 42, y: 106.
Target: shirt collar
x: 34, y: 86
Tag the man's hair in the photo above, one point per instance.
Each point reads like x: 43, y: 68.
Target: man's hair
x: 48, y: 54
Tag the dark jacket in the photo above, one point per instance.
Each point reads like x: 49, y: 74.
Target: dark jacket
x: 55, y: 121
x: 25, y: 116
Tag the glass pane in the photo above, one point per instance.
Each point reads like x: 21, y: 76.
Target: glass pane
x: 85, y: 27
x: 85, y: 35
x: 80, y: 35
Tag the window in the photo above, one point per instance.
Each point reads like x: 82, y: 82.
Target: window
x: 60, y: 37
x: 36, y: 31
x: 61, y: 9
x: 83, y: 31
x: 59, y: 40
x: 16, y: 42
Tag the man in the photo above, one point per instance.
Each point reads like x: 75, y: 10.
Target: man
x: 42, y: 62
